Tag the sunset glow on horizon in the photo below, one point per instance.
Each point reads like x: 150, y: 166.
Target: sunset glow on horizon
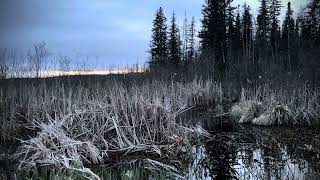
x: 54, y: 73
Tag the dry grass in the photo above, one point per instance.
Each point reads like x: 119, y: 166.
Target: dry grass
x: 277, y: 115
x: 79, y: 125
x: 279, y: 106
x: 76, y: 124
x: 246, y: 111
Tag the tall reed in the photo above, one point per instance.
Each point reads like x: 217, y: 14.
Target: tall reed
x: 77, y: 124
x: 267, y: 105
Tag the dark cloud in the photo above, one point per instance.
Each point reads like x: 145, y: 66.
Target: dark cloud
x: 117, y: 31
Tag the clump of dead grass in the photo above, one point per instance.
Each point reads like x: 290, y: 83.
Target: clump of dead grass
x: 80, y: 127
x: 267, y: 106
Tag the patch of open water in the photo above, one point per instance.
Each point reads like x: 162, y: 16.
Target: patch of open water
x: 246, y: 153
x: 251, y: 153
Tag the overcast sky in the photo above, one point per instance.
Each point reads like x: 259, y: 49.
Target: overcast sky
x: 116, y: 31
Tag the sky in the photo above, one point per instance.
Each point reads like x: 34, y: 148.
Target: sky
x: 111, y: 33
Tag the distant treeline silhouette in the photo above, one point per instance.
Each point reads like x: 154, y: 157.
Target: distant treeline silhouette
x: 234, y: 45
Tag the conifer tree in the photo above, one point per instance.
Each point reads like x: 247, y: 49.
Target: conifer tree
x: 185, y: 38
x: 305, y: 29
x: 247, y: 30
x: 231, y: 29
x: 313, y: 20
x: 238, y: 39
x: 213, y: 34
x: 288, y: 29
x: 191, y: 40
x: 297, y: 29
x: 288, y: 34
x: 158, y: 45
x: 174, y: 44
x: 263, y: 22
x: 275, y: 8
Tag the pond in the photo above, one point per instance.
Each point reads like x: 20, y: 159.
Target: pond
x: 246, y: 152
x: 256, y: 153
x: 235, y: 152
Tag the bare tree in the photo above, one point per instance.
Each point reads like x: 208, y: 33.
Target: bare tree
x: 37, y: 57
x: 64, y: 64
x: 4, y: 66
x: 16, y: 62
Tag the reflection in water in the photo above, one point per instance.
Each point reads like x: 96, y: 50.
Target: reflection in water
x: 196, y: 170
x: 255, y: 165
x: 256, y: 153
x: 240, y: 153
x: 248, y: 154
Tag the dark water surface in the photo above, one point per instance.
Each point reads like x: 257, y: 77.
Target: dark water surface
x: 240, y: 152
x: 257, y: 153
x: 247, y: 152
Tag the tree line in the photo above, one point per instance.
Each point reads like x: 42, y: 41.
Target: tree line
x: 167, y: 49
x: 236, y: 45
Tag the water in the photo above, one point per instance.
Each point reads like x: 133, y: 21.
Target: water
x: 239, y: 152
x: 250, y: 153
x: 257, y: 169
x: 257, y: 153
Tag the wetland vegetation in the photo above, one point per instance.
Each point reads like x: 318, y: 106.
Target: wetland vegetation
x: 238, y: 99
x: 113, y: 127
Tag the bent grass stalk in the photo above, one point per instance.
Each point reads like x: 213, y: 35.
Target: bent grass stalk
x: 278, y: 106
x: 80, y: 125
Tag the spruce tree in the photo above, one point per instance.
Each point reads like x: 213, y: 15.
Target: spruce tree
x: 191, y: 40
x: 305, y: 29
x: 158, y: 45
x: 313, y: 20
x: 185, y: 30
x: 288, y: 29
x: 297, y: 29
x: 206, y: 32
x: 174, y: 44
x: 237, y: 43
x: 231, y: 29
x: 247, y: 30
x: 275, y: 8
x: 213, y: 34
x: 288, y: 34
x: 263, y: 22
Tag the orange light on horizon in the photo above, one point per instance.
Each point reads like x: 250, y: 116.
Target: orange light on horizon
x: 53, y: 73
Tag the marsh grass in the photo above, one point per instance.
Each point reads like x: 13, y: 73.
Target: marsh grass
x: 298, y: 106
x: 75, y: 125
x: 134, y: 170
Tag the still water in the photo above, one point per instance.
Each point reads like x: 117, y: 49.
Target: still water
x: 235, y: 152
x: 255, y: 153
x: 247, y: 153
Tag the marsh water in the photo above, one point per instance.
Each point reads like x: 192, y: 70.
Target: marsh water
x: 244, y: 152
x: 257, y: 153
x: 238, y: 152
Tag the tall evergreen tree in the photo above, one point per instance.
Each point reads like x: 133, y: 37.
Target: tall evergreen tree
x: 288, y: 29
x: 263, y: 22
x: 185, y: 30
x: 297, y: 29
x: 237, y: 43
x: 174, y: 44
x: 213, y: 34
x: 288, y: 34
x: 305, y: 29
x: 191, y: 40
x: 247, y: 30
x: 231, y: 29
x: 275, y: 9
x: 313, y: 20
x: 158, y: 45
